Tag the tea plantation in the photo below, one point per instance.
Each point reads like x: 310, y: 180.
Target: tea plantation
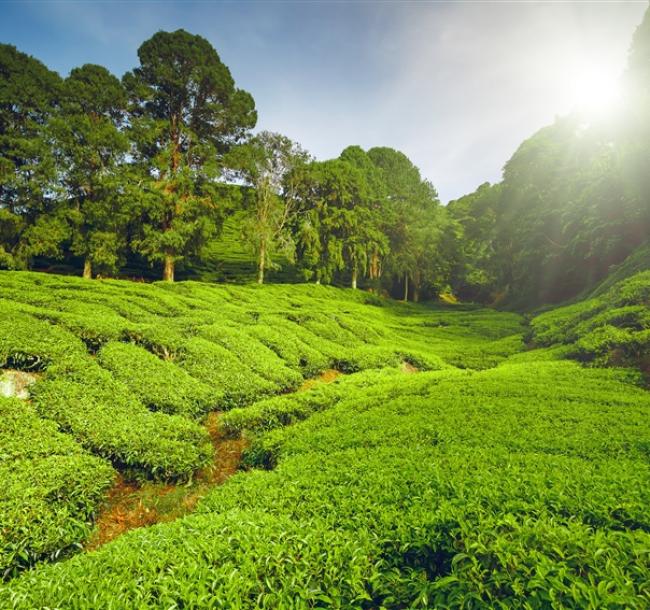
x: 463, y: 458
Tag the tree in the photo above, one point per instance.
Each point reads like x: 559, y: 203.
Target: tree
x: 270, y: 164
x: 367, y: 243
x: 335, y: 231
x: 29, y: 96
x: 90, y: 149
x: 411, y: 203
x: 473, y: 275
x: 185, y: 114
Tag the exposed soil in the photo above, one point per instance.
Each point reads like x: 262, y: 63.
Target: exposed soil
x: 408, y: 368
x: 326, y: 376
x: 124, y: 510
x: 130, y: 506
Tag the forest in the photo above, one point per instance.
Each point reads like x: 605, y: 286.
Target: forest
x: 136, y: 178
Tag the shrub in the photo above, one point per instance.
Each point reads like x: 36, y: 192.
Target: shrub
x: 160, y: 385
x: 257, y: 356
x: 27, y: 343
x: 107, y: 419
x: 523, y: 486
x: 219, y: 368
x: 296, y: 353
x: 51, y: 488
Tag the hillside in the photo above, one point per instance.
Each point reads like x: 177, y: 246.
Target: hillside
x: 638, y: 261
x: 227, y: 259
x: 449, y: 463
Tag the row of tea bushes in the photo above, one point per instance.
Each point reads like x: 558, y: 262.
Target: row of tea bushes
x: 279, y: 411
x: 213, y: 364
x: 104, y: 416
x: 523, y: 486
x: 159, y: 384
x: 610, y: 329
x: 262, y: 360
x: 128, y: 368
x: 50, y: 489
x: 30, y: 344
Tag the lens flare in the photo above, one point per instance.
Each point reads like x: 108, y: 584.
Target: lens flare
x: 593, y: 91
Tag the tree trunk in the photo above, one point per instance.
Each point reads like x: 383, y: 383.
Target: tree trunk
x: 168, y: 270
x: 260, y: 268
x: 406, y: 287
x: 88, y: 269
x: 354, y: 278
x: 416, y: 294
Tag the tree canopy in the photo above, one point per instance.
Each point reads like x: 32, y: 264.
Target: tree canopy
x: 101, y: 174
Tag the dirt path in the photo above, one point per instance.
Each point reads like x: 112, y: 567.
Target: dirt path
x: 130, y: 506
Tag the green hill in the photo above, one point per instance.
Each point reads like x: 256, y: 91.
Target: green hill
x: 450, y: 464
x: 638, y: 261
x: 229, y: 259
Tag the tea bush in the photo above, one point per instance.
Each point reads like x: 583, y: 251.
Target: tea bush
x: 257, y: 356
x: 27, y: 343
x: 160, y: 385
x: 495, y: 477
x: 215, y: 365
x: 611, y: 329
x: 108, y: 420
x: 523, y: 486
x: 50, y: 489
x: 293, y: 351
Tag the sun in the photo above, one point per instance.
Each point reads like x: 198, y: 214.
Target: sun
x: 593, y: 91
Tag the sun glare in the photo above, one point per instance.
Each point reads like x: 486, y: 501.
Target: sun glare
x: 593, y: 91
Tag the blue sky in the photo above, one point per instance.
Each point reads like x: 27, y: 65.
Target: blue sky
x: 455, y: 85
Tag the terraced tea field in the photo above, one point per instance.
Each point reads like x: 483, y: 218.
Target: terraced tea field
x: 458, y: 458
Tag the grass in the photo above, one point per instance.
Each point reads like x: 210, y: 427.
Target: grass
x: 449, y: 463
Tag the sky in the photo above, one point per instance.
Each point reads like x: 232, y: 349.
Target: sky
x: 456, y: 86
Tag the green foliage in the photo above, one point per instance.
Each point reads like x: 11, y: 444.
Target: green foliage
x: 638, y: 261
x: 159, y: 384
x: 102, y: 414
x: 415, y: 225
x: 91, y: 149
x: 523, y: 486
x: 187, y: 348
x: 213, y: 364
x: 185, y: 114
x: 337, y: 229
x: 474, y: 276
x: 269, y: 164
x: 610, y: 329
x: 51, y: 489
x: 27, y: 343
x: 256, y: 355
x: 29, y: 95
x: 295, y: 352
x: 284, y: 410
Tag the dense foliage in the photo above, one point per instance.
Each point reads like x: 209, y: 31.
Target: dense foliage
x: 498, y: 473
x: 610, y: 329
x: 51, y: 488
x: 521, y: 486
